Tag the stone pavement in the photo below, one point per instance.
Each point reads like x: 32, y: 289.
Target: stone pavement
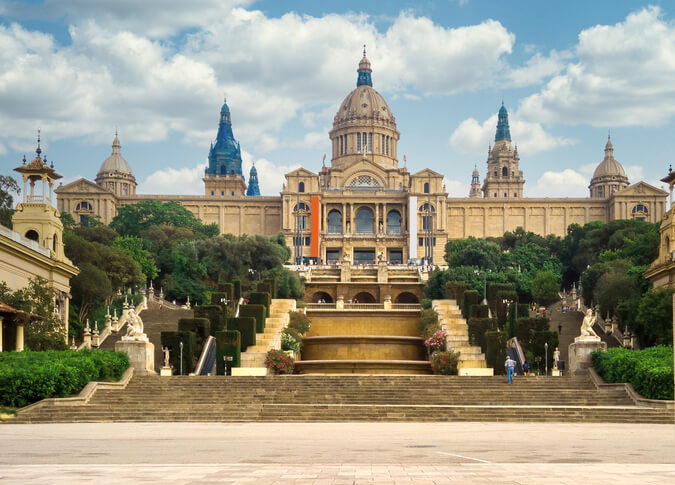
x: 338, y: 453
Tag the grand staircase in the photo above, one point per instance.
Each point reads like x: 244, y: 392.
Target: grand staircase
x: 351, y: 398
x: 254, y: 357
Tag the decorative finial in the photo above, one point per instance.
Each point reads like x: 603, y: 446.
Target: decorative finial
x: 51, y: 165
x: 39, y: 150
x: 115, y: 132
x: 364, y: 50
x: 24, y: 159
x: 225, y: 98
x: 323, y: 162
x: 405, y: 161
x: 608, y: 135
x: 502, y: 101
x: 670, y: 169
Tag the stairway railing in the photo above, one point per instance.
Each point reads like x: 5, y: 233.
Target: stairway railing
x: 207, y: 360
x: 515, y: 351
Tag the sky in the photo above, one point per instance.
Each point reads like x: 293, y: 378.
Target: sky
x: 157, y: 72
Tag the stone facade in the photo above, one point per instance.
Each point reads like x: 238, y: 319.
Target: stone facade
x: 364, y: 205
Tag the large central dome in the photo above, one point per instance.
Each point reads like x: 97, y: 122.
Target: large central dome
x: 364, y: 126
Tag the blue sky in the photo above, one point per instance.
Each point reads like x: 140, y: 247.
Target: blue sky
x: 157, y: 71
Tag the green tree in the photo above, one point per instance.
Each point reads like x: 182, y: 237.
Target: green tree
x: 133, y: 246
x: 89, y: 287
x: 654, y: 324
x: 134, y: 219
x: 8, y: 186
x: 613, y: 287
x: 545, y: 287
x: 473, y: 252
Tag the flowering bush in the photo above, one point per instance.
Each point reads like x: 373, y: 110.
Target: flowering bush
x: 279, y: 362
x: 291, y: 340
x: 445, y: 363
x: 436, y: 341
x: 299, y: 321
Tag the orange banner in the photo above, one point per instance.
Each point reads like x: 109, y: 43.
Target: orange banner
x: 316, y: 221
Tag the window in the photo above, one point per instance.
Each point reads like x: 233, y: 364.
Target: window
x: 364, y: 221
x: 308, y: 241
x: 32, y: 235
x: 382, y: 145
x: 298, y: 241
x: 394, y: 222
x: 424, y: 207
x: 358, y: 143
x: 370, y: 143
x: 426, y: 187
x: 223, y: 193
x: 342, y: 144
x: 84, y: 206
x: 213, y: 192
x: 601, y: 192
x: 515, y: 194
x: 387, y: 145
x: 421, y: 242
x: 125, y: 189
x: 427, y: 223
x: 505, y: 194
x: 640, y: 212
x: 495, y: 194
x: 505, y: 172
x: 334, y: 222
x: 301, y: 187
x: 363, y: 181
x: 300, y: 211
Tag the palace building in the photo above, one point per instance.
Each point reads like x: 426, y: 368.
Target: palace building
x: 364, y: 205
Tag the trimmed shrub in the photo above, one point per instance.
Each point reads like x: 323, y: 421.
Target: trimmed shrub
x: 255, y: 311
x: 495, y: 350
x: 299, y: 321
x: 246, y: 326
x: 263, y: 287
x: 217, y: 297
x: 480, y: 311
x: 172, y: 340
x: 272, y: 285
x: 215, y: 315
x: 471, y: 299
x: 477, y: 328
x: 445, y: 363
x: 493, y: 289
x: 200, y: 326
x: 227, y: 288
x: 503, y: 308
x: 260, y: 298
x: 279, y: 362
x: 426, y: 303
x: 523, y: 310
x: 27, y: 377
x: 237, y: 289
x: 649, y: 371
x: 454, y: 290
x: 228, y: 343
x: 539, y: 338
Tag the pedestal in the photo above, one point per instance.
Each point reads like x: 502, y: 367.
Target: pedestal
x: 556, y: 373
x: 580, y: 354
x: 166, y: 372
x: 141, y: 355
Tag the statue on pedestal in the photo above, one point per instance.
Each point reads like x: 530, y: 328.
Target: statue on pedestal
x: 166, y: 351
x: 587, y: 331
x: 134, y: 327
x: 556, y: 358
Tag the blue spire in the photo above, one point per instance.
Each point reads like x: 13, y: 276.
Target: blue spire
x: 364, y: 71
x: 253, y: 189
x: 225, y: 155
x: 503, y: 131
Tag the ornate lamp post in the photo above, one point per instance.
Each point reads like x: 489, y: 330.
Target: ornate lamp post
x: 546, y: 356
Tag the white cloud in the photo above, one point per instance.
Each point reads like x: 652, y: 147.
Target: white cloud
x: 568, y: 183
x: 270, y: 175
x: 182, y: 181
x: 539, y: 67
x: 455, y: 188
x: 623, y: 76
x: 473, y: 137
x: 634, y: 173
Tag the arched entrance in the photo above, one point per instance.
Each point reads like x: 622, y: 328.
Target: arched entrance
x: 407, y: 297
x: 364, y: 297
x: 322, y: 295
x: 32, y: 235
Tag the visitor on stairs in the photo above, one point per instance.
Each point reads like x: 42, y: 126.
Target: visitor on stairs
x: 510, y: 366
x: 526, y: 368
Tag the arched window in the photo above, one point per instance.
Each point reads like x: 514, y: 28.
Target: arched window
x: 301, y: 187
x: 505, y: 172
x: 394, y: 222
x: 334, y: 222
x: 358, y: 143
x: 364, y: 221
x: 426, y: 187
x: 668, y: 246
x: 382, y: 145
x: 640, y: 212
x: 55, y: 242
x: 32, y: 235
x: 300, y: 211
x: 388, y: 145
x: 84, y: 206
x: 424, y: 207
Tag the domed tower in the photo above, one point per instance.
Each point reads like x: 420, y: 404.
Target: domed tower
x: 503, y: 179
x: 115, y: 173
x: 364, y: 127
x: 475, y: 184
x: 253, y: 189
x: 609, y: 177
x: 223, y: 176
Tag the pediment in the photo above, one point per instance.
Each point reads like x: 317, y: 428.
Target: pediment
x: 300, y: 172
x: 427, y: 173
x: 80, y: 186
x: 641, y: 189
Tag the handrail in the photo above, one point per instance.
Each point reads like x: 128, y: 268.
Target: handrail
x: 207, y: 360
x: 515, y: 348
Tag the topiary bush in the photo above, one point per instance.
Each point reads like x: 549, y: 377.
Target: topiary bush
x: 228, y: 343
x: 261, y: 298
x: 255, y: 311
x: 215, y: 314
x: 445, y: 363
x: 428, y: 323
x: 27, y: 377
x: 471, y: 299
x: 227, y: 288
x: 477, y: 328
x: 425, y: 303
x: 649, y: 371
x: 480, y: 311
x: 495, y: 350
x: 200, y: 326
x: 236, y: 284
x: 279, y: 362
x: 172, y: 340
x: 245, y: 325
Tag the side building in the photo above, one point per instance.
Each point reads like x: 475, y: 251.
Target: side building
x: 363, y: 205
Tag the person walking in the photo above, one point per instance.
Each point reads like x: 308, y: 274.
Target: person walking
x: 526, y: 368
x: 510, y: 366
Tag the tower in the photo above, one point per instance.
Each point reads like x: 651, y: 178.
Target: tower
x: 35, y: 217
x: 115, y: 173
x: 503, y: 179
x: 475, y: 184
x: 609, y: 176
x: 253, y: 189
x: 223, y: 176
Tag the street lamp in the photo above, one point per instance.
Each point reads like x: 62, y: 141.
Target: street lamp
x: 484, y: 284
x: 181, y: 357
x: 546, y: 355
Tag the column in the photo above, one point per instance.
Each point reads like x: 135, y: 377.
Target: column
x: 324, y: 210
x: 351, y: 218
x: 377, y: 218
x: 344, y: 218
x: 44, y: 188
x: 19, y: 338
x: 1, y: 318
x: 384, y: 218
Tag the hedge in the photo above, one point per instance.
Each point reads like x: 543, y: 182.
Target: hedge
x: 454, y: 290
x: 480, y: 311
x: 256, y: 311
x: 27, y: 377
x: 649, y: 371
x: 200, y: 326
x: 261, y: 298
x: 246, y: 326
x: 492, y: 291
x: 471, y: 299
x: 477, y: 328
x: 237, y: 289
x: 215, y: 314
x: 503, y: 308
x: 539, y: 338
x: 172, y: 340
x: 227, y: 288
x: 495, y: 350
x: 228, y: 343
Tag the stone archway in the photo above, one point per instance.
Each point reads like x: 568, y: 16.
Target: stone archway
x: 407, y: 297
x: 322, y: 295
x: 364, y: 297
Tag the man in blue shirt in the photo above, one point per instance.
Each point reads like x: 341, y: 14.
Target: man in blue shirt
x: 510, y: 366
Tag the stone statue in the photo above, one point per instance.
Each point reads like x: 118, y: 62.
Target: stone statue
x: 587, y: 325
x: 556, y: 358
x: 380, y: 257
x: 166, y: 351
x: 135, y: 326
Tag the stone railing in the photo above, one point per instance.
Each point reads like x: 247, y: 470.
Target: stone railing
x: 29, y: 243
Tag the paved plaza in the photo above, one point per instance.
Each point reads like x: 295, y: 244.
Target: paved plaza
x: 338, y: 453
